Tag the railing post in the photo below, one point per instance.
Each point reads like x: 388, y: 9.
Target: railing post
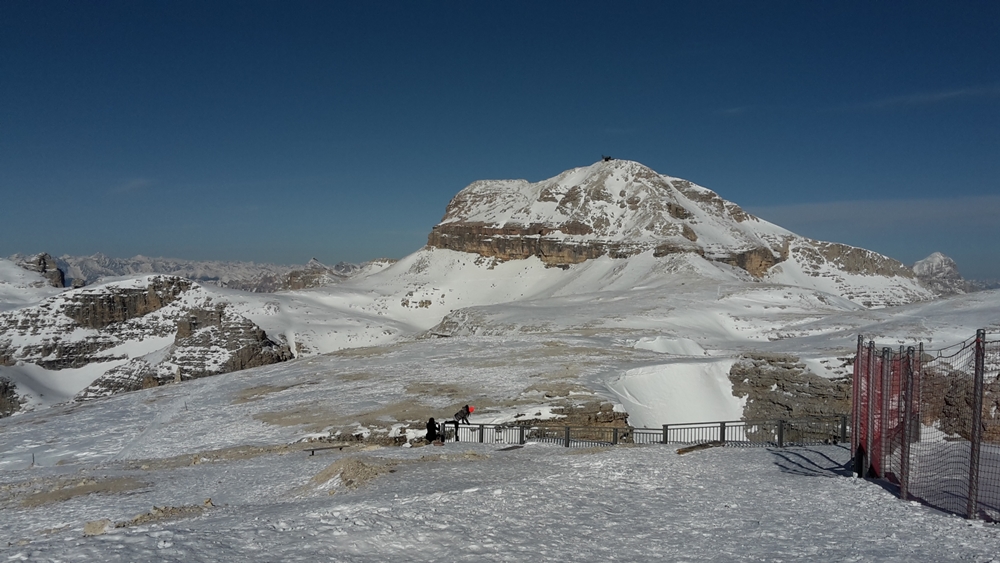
x: 481, y: 433
x: 976, y: 440
x: 567, y: 437
x: 722, y: 432
x: 843, y: 429
x: 614, y: 436
x: 665, y: 427
x: 520, y: 439
x: 781, y: 433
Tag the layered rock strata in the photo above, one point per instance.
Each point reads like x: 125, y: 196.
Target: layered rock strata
x: 147, y: 331
x: 45, y: 265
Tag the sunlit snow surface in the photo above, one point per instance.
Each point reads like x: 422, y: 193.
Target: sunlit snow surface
x: 654, y: 336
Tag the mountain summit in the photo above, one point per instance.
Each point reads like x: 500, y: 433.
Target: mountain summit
x: 621, y: 208
x: 618, y: 208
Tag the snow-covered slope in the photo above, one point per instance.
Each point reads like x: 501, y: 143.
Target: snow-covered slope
x: 124, y: 335
x: 621, y: 208
x: 19, y: 287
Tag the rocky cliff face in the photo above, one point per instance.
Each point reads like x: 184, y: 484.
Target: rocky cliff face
x: 43, y: 264
x: 616, y: 208
x: 940, y: 273
x: 140, y: 332
x: 779, y: 387
x: 622, y: 208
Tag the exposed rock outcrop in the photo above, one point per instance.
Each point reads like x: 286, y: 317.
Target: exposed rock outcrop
x: 619, y: 208
x: 147, y: 331
x: 616, y: 208
x: 98, y: 310
x: 43, y: 264
x: 779, y: 387
x: 10, y: 403
x: 940, y: 273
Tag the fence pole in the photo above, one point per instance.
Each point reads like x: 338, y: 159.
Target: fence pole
x: 843, y: 430
x: 481, y: 433
x: 722, y: 432
x: 567, y: 437
x: 976, y: 440
x: 614, y: 437
x: 884, y: 414
x: 521, y: 437
x: 781, y: 433
x: 665, y: 427
x: 904, y: 452
x: 856, y: 399
x: 869, y: 409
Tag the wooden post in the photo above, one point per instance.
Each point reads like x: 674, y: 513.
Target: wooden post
x: 665, y: 428
x: 843, y: 428
x: 781, y: 433
x: 722, y: 432
x: 521, y: 438
x: 567, y: 437
x: 614, y: 436
x: 481, y: 433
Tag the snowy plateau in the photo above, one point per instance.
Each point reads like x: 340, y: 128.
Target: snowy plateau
x: 607, y: 286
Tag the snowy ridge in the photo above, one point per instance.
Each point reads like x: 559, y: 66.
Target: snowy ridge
x: 622, y: 208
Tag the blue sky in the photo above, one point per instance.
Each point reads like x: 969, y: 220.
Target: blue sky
x: 281, y: 131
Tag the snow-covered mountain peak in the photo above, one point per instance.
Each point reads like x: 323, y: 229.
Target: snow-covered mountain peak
x: 621, y: 208
x: 615, y: 201
x: 940, y: 273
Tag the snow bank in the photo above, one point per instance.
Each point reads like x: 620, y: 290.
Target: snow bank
x: 677, y: 392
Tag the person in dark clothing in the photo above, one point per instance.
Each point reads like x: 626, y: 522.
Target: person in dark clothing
x: 432, y: 431
x: 461, y: 416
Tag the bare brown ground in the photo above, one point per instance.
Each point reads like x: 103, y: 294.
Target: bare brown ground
x: 355, y: 472
x: 63, y: 490
x: 161, y: 513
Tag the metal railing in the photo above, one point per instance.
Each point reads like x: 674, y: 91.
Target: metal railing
x: 738, y: 433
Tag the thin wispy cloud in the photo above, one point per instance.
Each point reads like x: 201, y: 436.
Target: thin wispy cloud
x: 925, y: 98
x: 131, y: 186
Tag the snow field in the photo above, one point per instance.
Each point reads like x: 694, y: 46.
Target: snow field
x: 468, y: 502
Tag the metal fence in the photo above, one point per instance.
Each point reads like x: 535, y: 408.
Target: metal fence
x: 738, y: 433
x: 929, y: 421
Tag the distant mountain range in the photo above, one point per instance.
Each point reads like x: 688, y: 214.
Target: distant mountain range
x: 79, y: 271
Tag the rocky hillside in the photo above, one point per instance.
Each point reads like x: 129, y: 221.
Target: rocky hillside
x: 940, y: 273
x: 43, y: 264
x: 620, y: 208
x: 133, y: 333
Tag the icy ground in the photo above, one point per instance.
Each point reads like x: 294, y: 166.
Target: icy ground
x: 237, y: 439
x: 469, y: 502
